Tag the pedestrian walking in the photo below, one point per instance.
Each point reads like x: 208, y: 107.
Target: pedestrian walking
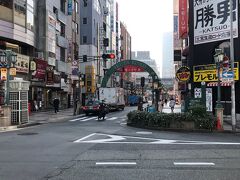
x: 56, y: 104
x: 172, y: 104
x: 165, y: 101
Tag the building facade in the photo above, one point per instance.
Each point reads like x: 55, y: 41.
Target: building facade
x: 17, y: 33
x: 45, y: 36
x: 98, y: 36
x: 57, y: 48
x: 207, y: 36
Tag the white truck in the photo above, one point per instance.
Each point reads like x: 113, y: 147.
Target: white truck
x: 113, y: 97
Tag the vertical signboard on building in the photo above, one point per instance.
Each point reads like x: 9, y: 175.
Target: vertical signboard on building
x: 70, y: 7
x: 209, y: 99
x: 51, y: 33
x: 212, y: 20
x: 183, y: 19
x: 3, y: 74
x: 197, y: 93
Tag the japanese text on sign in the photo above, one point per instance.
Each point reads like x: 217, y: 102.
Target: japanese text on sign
x: 212, y: 20
x: 208, y: 73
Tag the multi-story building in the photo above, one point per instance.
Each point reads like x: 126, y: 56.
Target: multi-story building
x: 205, y: 39
x: 57, y: 47
x: 38, y: 32
x: 18, y: 33
x: 143, y: 56
x: 125, y: 51
x: 167, y: 57
x: 97, y: 37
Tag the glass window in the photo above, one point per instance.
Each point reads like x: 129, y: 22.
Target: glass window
x: 62, y: 29
x: 62, y: 54
x: 76, y: 7
x: 76, y: 30
x: 62, y: 5
x: 6, y: 10
x: 85, y: 3
x: 85, y: 20
x: 30, y: 15
x: 6, y: 3
x: 84, y: 39
x: 20, y: 12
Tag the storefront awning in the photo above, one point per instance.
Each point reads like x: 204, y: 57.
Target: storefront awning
x: 211, y: 84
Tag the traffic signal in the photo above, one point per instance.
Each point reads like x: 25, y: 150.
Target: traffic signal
x: 84, y: 58
x: 105, y: 42
x: 142, y: 81
x: 108, y: 56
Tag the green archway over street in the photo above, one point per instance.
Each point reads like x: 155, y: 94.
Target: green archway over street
x: 124, y: 63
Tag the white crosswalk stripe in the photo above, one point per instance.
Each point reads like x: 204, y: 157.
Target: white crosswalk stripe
x: 84, y: 119
x: 111, y: 118
x: 78, y: 119
x: 88, y: 119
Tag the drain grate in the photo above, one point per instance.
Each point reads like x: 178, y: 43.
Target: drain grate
x: 28, y: 133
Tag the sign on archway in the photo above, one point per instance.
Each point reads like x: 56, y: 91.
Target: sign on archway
x: 128, y: 63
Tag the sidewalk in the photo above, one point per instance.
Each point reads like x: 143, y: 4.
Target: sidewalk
x: 51, y: 116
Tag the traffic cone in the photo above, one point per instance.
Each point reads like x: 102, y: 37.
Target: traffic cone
x: 219, y: 127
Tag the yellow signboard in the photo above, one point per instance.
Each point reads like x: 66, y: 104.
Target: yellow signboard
x: 3, y: 74
x: 208, y: 73
x: 13, y: 72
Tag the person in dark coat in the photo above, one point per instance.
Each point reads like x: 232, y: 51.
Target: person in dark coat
x: 102, y: 111
x: 56, y: 104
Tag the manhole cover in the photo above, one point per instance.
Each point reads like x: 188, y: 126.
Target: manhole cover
x: 27, y: 133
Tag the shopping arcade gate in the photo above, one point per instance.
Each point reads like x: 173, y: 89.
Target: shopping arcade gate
x: 129, y: 63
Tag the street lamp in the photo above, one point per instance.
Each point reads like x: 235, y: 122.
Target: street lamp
x: 7, y: 59
x: 150, y: 83
x: 218, y: 58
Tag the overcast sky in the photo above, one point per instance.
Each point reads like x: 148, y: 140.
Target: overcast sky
x: 146, y: 21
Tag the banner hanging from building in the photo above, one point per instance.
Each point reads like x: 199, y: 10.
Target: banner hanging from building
x: 183, y: 19
x: 212, y: 20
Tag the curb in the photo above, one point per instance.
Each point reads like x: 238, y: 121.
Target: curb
x: 186, y: 130
x: 29, y: 124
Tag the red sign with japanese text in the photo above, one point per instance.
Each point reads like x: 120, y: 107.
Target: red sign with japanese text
x: 131, y: 68
x: 183, y: 19
x: 41, y: 66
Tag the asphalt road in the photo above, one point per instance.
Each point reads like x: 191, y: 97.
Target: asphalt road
x: 85, y: 148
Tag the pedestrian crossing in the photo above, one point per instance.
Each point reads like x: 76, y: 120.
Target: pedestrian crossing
x: 86, y: 118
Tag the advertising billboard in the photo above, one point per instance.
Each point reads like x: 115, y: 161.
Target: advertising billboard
x: 212, y: 20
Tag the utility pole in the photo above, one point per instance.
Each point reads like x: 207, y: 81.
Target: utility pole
x: 233, y: 113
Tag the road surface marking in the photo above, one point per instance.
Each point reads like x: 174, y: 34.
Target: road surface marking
x: 118, y: 139
x: 88, y: 119
x: 116, y: 163
x: 78, y: 119
x: 194, y: 164
x: 112, y: 138
x: 85, y: 137
x: 144, y: 132
x: 112, y: 118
